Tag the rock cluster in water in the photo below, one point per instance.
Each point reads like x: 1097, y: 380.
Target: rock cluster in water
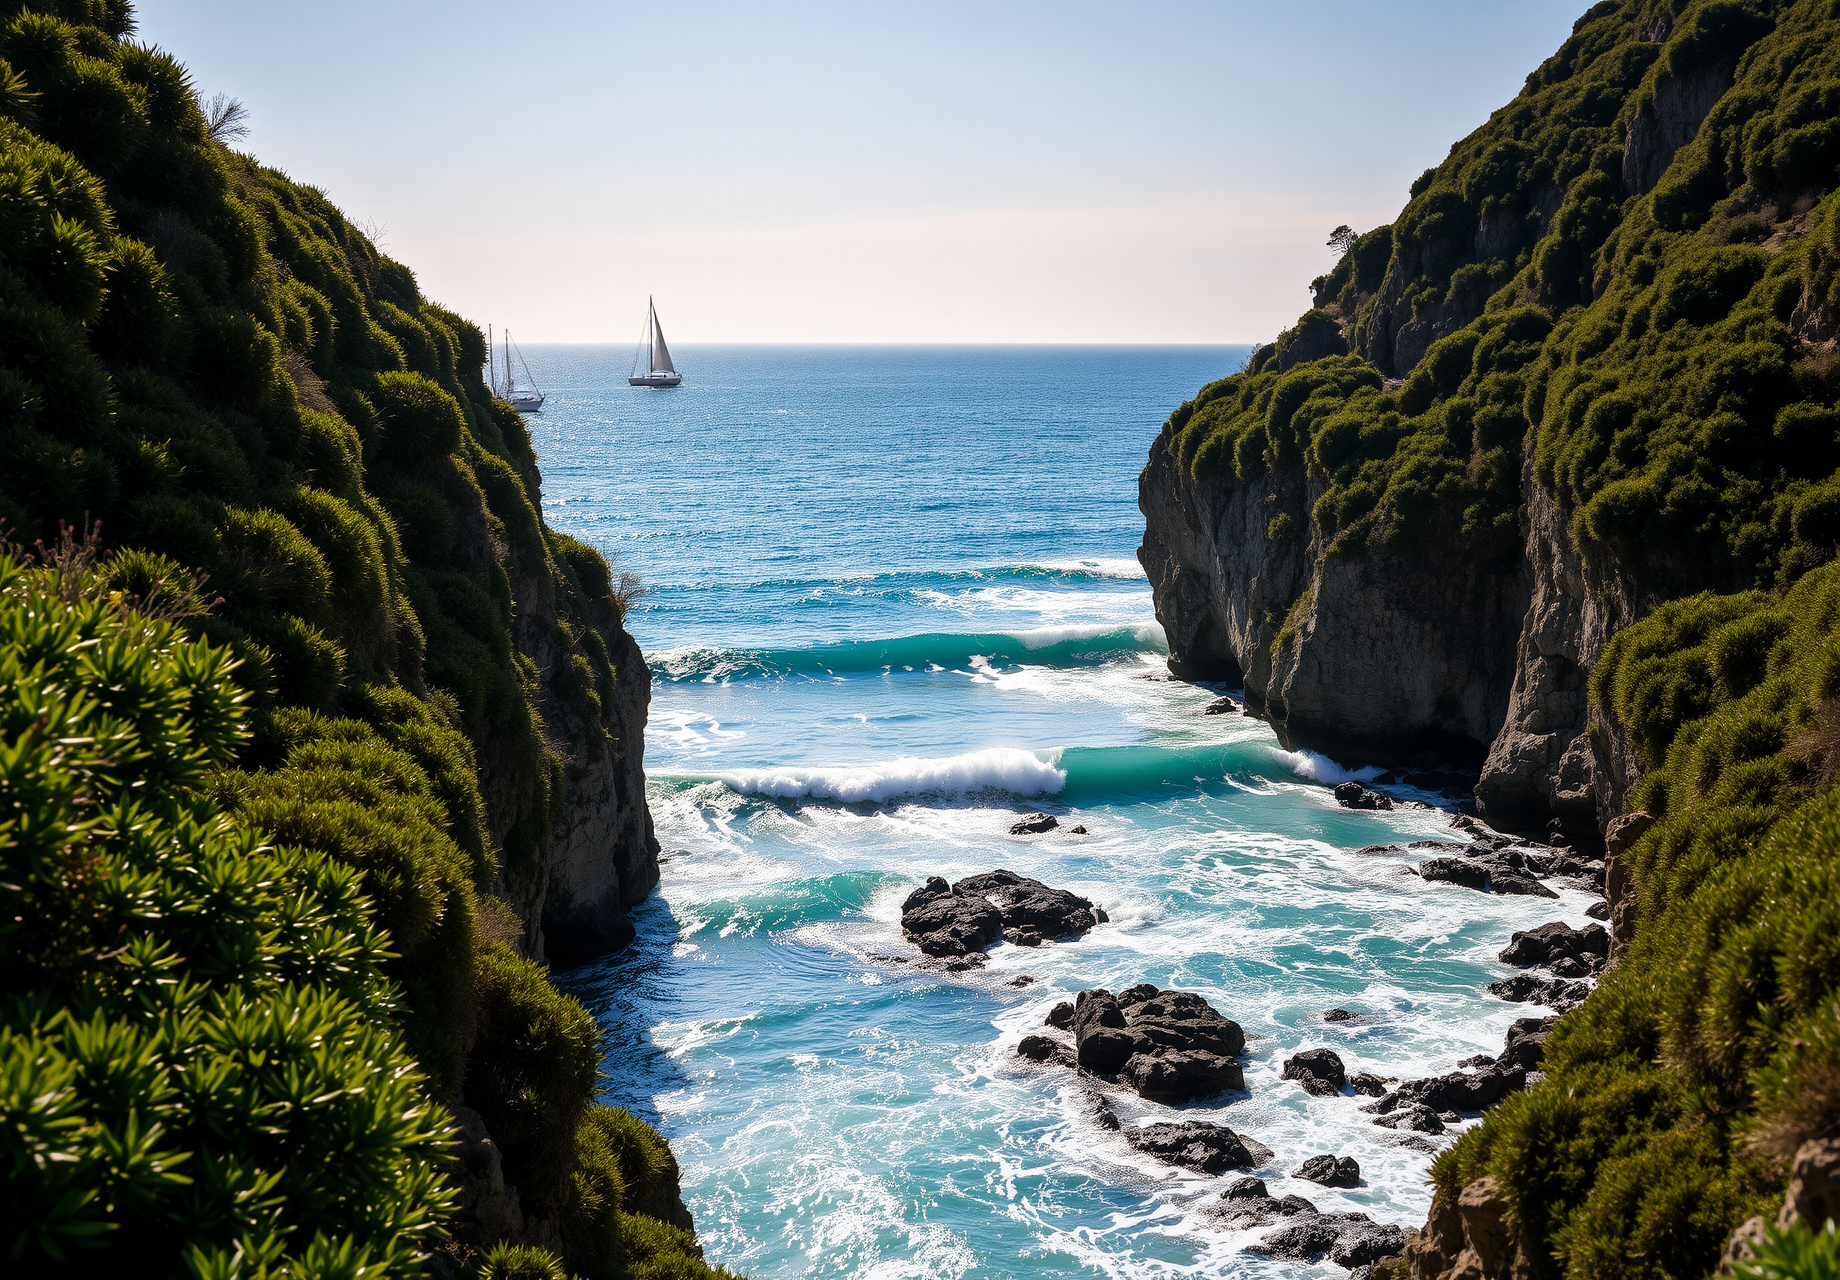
x: 963, y: 919
x: 1349, y: 1239
x: 1169, y: 1046
x: 1426, y: 1106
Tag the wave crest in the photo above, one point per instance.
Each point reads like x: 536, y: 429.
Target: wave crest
x: 1069, y: 646
x: 1010, y: 769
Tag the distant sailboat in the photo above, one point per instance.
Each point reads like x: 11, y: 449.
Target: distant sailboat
x: 525, y: 396
x: 657, y: 356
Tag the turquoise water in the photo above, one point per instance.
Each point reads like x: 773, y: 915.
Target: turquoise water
x: 893, y: 602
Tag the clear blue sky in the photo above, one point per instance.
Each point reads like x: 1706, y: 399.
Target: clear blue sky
x: 791, y: 172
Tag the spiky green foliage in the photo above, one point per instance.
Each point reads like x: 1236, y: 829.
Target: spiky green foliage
x: 209, y: 360
x: 198, y: 1057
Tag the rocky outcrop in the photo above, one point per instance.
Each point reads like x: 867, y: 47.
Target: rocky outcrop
x: 963, y: 919
x: 1316, y: 1071
x: 1198, y: 1145
x: 1382, y: 657
x: 1330, y: 1171
x: 1542, y: 766
x: 1170, y: 1046
x: 1379, y: 656
x: 1466, y: 1237
x: 1669, y: 120
x: 1619, y: 882
x: 1568, y: 952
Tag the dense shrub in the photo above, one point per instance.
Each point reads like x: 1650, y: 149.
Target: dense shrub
x: 196, y: 1057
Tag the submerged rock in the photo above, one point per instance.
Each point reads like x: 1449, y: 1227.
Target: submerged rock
x: 1318, y: 1071
x: 1339, y: 1015
x: 1198, y: 1145
x: 965, y: 918
x: 1352, y: 795
x: 1330, y: 1171
x: 1170, y: 1046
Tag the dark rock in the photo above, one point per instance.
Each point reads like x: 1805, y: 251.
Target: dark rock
x: 1516, y: 883
x: 1339, y: 1015
x: 1179, y: 1075
x: 1035, y: 824
x: 1170, y: 1046
x: 1526, y: 1043
x: 1255, y: 1208
x: 1100, y: 916
x: 965, y: 918
x: 1599, y: 910
x: 1220, y: 707
x: 1477, y: 1060
x: 1553, y: 941
x: 1369, y: 849
x: 1248, y: 1188
x: 1414, y: 1116
x: 1061, y: 1015
x: 1330, y: 1171
x: 1021, y: 980
x: 1455, y: 871
x: 1105, y: 1050
x: 1523, y: 988
x: 1460, y: 1092
x: 1352, y: 795
x: 1080, y: 831
x: 1347, y: 1239
x: 1319, y: 1071
x: 1198, y: 1145
x: 1036, y: 1048
x: 942, y: 922
x: 1571, y: 967
x: 1371, y: 1085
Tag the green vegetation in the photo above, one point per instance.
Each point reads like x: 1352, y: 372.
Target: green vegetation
x: 1678, y: 1091
x: 1796, y: 1254
x: 275, y: 744
x: 1651, y: 341
x: 1665, y: 359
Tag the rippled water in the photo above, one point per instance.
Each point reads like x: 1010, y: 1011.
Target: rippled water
x: 893, y: 603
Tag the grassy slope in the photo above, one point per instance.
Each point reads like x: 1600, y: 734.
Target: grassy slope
x: 212, y: 362
x: 1666, y: 362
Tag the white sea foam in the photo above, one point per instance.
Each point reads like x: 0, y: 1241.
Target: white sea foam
x: 1320, y: 768
x: 1098, y: 567
x: 1010, y: 769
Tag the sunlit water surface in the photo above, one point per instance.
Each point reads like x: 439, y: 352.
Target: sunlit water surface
x: 893, y: 602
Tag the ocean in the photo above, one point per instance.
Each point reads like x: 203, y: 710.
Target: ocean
x: 891, y: 604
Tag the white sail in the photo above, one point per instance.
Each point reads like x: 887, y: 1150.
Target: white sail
x: 661, y: 354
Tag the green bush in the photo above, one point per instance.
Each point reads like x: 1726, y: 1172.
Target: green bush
x: 195, y: 1051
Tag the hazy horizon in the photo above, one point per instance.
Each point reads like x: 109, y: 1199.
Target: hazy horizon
x: 823, y: 174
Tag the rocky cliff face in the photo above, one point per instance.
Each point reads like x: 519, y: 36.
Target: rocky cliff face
x: 1376, y: 657
x: 1381, y: 657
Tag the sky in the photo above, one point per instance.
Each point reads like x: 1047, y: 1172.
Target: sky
x: 984, y: 172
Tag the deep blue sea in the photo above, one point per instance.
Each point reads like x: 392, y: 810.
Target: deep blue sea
x: 892, y: 601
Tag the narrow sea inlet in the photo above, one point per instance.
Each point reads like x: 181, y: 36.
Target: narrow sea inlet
x: 892, y: 605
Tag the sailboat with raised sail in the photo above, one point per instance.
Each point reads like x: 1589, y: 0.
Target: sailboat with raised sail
x: 524, y: 396
x: 655, y: 354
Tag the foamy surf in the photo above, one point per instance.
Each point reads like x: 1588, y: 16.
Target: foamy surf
x: 1005, y: 769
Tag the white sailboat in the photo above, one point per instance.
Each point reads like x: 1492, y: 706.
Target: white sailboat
x: 656, y: 355
x: 525, y: 397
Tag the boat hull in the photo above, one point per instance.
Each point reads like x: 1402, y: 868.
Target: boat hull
x: 655, y: 380
x: 527, y: 404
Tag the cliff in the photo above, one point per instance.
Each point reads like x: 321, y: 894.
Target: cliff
x: 1548, y: 477
x: 224, y: 409
x: 1520, y: 417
